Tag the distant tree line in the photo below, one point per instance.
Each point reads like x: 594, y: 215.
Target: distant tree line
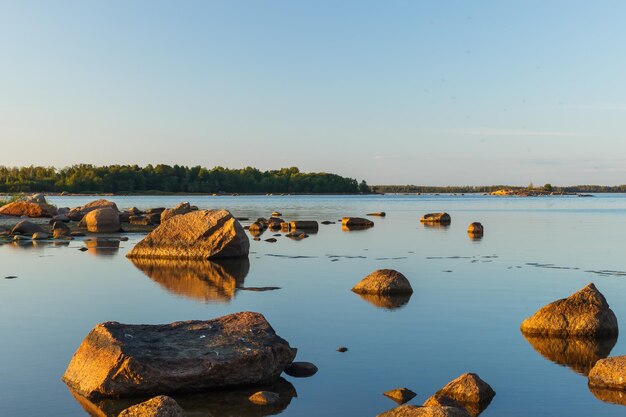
x: 490, y: 188
x: 85, y: 178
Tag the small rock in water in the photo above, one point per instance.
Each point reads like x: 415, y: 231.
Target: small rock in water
x: 256, y: 238
x: 400, y: 395
x: 11, y: 277
x: 342, y: 349
x: 378, y: 213
x: 83, y: 249
x: 264, y: 398
x: 327, y: 222
x: 301, y: 369
x: 276, y: 214
x: 271, y: 240
x: 384, y: 282
x: 124, y: 239
x: 277, y: 234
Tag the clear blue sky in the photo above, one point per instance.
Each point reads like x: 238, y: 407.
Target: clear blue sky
x: 423, y: 92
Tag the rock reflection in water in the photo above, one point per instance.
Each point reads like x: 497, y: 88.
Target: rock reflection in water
x: 389, y: 302
x: 354, y: 228
x: 200, y: 280
x: 207, y: 404
x: 106, y: 247
x: 609, y: 395
x: 433, y: 225
x: 578, y: 354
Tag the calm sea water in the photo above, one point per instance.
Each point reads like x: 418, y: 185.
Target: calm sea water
x: 470, y: 298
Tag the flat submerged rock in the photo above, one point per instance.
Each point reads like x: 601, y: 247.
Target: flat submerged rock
x: 121, y: 360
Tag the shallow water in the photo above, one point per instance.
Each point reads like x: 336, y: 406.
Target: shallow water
x: 470, y: 298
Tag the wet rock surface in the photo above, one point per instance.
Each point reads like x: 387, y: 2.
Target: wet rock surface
x: 583, y: 314
x: 120, y: 360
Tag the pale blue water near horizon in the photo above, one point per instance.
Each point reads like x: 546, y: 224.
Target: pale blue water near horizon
x: 470, y: 298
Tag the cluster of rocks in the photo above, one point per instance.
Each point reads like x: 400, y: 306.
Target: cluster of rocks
x: 579, y: 331
x: 468, y: 395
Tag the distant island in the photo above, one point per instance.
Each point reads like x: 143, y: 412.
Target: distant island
x: 503, y: 190
x: 133, y: 179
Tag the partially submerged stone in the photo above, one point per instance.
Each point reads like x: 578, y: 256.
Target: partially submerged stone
x: 102, y: 220
x: 407, y: 410
x: 476, y: 229
x: 301, y: 369
x: 609, y: 373
x: 304, y: 225
x: 468, y: 390
x: 356, y: 222
x: 202, y: 234
x: 120, y: 360
x: 26, y: 228
x: 384, y: 282
x: 24, y: 208
x: 443, y: 218
x: 583, y: 314
x: 377, y: 214
x: 264, y: 398
x: 182, y: 208
x: 40, y: 236
x: 400, y: 395
x: 161, y: 406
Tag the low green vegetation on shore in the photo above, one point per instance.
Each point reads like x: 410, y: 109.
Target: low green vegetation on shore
x: 86, y: 178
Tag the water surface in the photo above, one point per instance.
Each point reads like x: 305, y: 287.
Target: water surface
x: 470, y: 298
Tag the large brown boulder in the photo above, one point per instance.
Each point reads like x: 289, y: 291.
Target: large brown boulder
x: 103, y: 220
x: 201, y: 234
x: 161, y: 406
x: 28, y: 209
x: 26, y: 228
x: 443, y: 218
x: 121, y: 360
x: 407, y: 410
x: 60, y: 230
x: 609, y: 373
x: 583, y: 314
x: 182, y: 208
x: 384, y: 282
x: 98, y: 204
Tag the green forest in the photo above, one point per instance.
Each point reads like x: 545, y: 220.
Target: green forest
x: 120, y: 179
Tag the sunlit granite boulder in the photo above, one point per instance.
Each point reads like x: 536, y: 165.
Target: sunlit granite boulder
x: 609, y: 373
x: 384, y: 282
x: 356, y: 222
x: 400, y: 395
x: 182, y: 208
x: 468, y: 391
x: 407, y: 410
x: 122, y: 360
x: 98, y: 204
x: 475, y: 229
x: 201, y: 234
x: 28, y: 209
x: 161, y: 406
x: 442, y: 218
x: 101, y: 220
x: 583, y: 314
